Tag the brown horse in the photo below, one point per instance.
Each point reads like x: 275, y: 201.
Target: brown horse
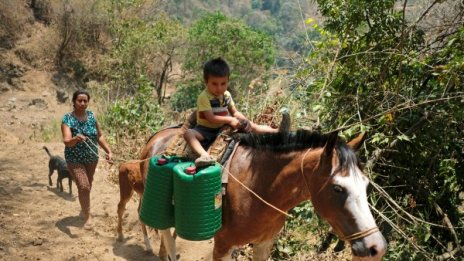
x: 130, y: 180
x: 285, y: 169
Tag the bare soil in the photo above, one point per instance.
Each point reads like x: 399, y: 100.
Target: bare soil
x: 37, y: 221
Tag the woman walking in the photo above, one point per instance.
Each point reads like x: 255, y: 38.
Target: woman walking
x: 81, y: 134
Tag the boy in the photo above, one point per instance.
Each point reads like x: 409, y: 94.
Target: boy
x: 215, y: 108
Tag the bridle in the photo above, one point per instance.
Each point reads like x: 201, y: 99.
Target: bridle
x: 351, y: 237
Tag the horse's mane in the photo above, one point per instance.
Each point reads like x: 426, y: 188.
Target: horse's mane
x: 283, y: 141
x: 296, y: 141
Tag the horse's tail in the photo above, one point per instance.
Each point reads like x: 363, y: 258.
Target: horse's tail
x: 48, y: 152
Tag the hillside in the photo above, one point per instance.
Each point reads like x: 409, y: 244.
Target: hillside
x: 38, y: 221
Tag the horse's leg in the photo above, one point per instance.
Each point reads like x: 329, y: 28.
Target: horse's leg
x: 221, y: 250
x: 125, y: 193
x: 146, y: 239
x: 121, y: 209
x: 169, y: 243
x: 262, y: 250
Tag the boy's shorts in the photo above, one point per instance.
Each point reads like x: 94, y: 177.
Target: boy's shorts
x: 209, y: 135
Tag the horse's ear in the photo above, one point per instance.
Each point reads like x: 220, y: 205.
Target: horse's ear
x: 356, y: 143
x: 330, y: 144
x: 285, y: 122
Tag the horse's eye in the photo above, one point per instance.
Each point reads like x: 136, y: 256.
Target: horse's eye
x: 338, y: 188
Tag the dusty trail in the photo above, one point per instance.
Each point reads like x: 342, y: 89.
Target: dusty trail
x: 38, y: 222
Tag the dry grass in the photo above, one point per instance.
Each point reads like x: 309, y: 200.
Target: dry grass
x: 14, y: 18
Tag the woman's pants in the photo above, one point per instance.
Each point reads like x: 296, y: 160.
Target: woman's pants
x: 83, y: 177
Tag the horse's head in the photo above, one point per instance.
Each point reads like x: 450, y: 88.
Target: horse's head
x: 338, y: 192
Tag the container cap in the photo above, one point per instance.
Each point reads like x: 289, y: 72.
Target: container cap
x: 191, y: 170
x: 162, y: 161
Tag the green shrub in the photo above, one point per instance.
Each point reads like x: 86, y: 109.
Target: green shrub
x: 186, y: 96
x: 127, y: 117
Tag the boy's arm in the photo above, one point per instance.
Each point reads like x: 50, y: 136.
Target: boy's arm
x: 232, y: 121
x: 245, y: 124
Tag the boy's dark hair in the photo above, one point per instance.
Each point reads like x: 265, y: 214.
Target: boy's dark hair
x: 216, y: 67
x: 79, y: 92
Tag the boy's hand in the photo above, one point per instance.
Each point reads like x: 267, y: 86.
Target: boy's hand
x: 234, y: 123
x: 245, y: 125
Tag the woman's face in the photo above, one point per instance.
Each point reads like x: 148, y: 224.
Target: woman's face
x: 81, y: 102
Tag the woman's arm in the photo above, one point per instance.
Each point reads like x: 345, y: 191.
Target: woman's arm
x: 68, y: 139
x: 103, y: 143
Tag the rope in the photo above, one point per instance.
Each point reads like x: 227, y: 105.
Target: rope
x: 89, y: 142
x: 256, y: 195
x: 302, y: 172
x: 354, y: 236
x: 359, y: 235
x: 223, y: 168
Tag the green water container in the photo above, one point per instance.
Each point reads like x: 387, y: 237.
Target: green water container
x: 157, y: 208
x: 198, y: 201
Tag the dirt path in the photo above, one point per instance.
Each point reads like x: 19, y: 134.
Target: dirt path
x: 37, y: 221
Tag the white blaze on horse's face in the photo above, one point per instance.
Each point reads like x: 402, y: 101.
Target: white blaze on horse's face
x: 355, y: 184
x: 357, y: 216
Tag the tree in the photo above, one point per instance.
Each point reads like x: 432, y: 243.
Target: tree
x: 143, y: 46
x: 248, y: 52
x: 376, y: 70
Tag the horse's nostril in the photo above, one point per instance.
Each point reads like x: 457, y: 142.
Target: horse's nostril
x: 373, y: 251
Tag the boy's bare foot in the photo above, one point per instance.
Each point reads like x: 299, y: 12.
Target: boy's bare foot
x: 204, y: 160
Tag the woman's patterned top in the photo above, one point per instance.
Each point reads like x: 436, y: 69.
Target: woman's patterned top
x: 86, y: 151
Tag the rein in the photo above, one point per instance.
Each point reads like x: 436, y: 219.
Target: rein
x: 351, y: 237
x: 359, y: 235
x: 256, y: 195
x: 224, y: 169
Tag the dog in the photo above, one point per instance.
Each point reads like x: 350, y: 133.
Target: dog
x: 59, y: 164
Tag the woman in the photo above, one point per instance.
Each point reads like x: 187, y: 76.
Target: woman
x: 81, y: 133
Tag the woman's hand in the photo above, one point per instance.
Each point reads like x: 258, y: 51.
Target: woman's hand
x: 80, y: 137
x: 109, y: 157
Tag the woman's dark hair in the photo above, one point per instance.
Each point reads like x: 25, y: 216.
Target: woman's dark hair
x: 216, y: 67
x: 79, y: 92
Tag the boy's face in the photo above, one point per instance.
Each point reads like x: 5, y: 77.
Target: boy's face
x: 217, y: 85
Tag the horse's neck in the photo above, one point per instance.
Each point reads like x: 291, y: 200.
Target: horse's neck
x: 279, y: 177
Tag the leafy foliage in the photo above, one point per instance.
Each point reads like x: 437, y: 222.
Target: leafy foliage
x: 248, y: 52
x: 134, y: 115
x: 142, y: 46
x: 185, y: 96
x: 376, y: 71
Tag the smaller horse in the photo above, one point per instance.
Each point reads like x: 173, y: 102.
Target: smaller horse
x: 130, y: 180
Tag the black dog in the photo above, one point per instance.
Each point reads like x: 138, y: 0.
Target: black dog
x: 59, y: 164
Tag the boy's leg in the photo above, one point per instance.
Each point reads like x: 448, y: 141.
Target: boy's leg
x: 261, y: 129
x: 193, y: 138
